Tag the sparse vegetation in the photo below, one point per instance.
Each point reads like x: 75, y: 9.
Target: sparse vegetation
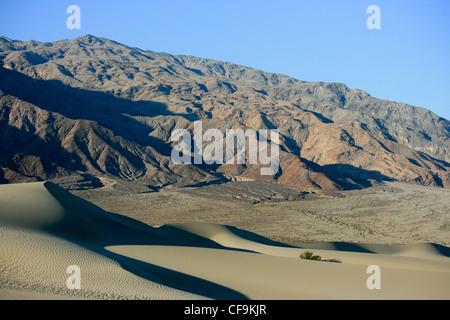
x: 309, y: 255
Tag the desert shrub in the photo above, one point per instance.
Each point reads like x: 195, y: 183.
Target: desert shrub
x: 309, y: 255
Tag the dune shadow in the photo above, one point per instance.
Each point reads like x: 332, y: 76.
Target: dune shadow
x: 112, y: 229
x: 250, y: 236
x: 2, y: 176
x: 445, y: 251
x: 336, y: 246
x: 351, y: 247
x: 174, y: 279
x: 187, y: 238
x: 116, y: 229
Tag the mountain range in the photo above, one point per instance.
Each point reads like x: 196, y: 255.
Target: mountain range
x: 93, y: 106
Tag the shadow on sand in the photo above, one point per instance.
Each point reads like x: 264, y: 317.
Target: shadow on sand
x: 95, y: 229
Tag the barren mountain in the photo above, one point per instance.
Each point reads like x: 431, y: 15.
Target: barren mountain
x: 93, y: 106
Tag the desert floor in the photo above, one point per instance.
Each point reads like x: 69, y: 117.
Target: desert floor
x: 391, y: 213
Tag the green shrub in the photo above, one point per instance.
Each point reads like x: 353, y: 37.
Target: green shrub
x: 309, y: 255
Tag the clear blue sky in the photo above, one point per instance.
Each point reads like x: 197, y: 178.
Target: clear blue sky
x: 407, y: 60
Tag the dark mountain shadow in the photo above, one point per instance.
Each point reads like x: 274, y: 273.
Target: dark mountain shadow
x: 320, y: 116
x: 219, y: 180
x: 75, y: 103
x: 347, y: 176
x: 346, y: 173
x: 292, y: 145
x: 384, y: 130
x: 55, y: 160
x: 441, y: 164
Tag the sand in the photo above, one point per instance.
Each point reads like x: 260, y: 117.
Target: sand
x: 44, y: 229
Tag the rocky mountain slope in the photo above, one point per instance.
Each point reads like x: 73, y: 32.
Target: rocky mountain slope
x: 91, y: 105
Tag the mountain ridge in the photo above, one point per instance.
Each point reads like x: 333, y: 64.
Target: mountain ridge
x: 332, y: 137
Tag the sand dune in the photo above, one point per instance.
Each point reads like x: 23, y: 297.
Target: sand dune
x: 44, y: 229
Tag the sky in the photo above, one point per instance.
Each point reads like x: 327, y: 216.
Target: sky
x: 406, y: 60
